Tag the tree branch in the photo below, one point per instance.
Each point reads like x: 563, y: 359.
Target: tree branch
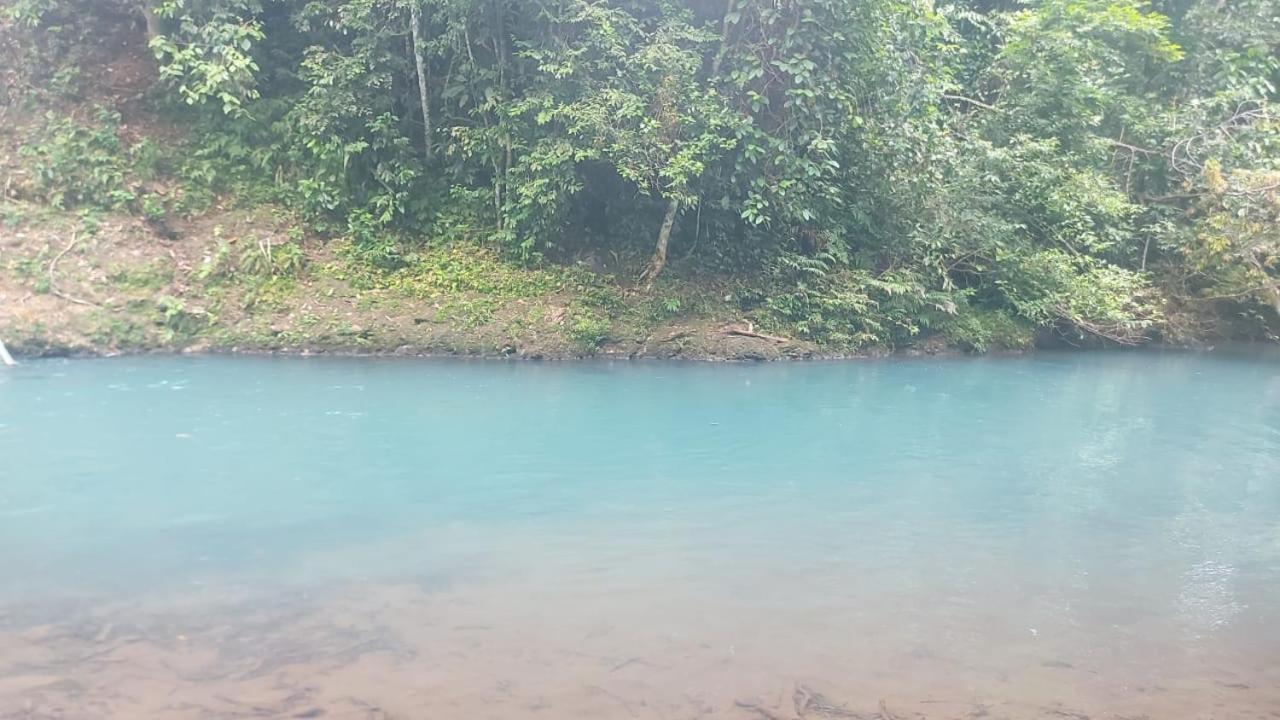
x: 971, y: 101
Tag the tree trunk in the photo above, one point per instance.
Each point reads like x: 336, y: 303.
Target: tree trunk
x: 484, y: 116
x: 497, y: 194
x: 724, y: 40
x: 154, y: 29
x: 415, y: 18
x: 659, y: 260
x: 501, y: 50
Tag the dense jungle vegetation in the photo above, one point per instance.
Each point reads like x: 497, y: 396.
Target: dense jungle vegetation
x: 855, y: 172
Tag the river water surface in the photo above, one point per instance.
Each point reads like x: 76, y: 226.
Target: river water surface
x: 1062, y: 536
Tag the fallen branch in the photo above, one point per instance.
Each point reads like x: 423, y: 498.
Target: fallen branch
x: 53, y: 285
x: 753, y: 334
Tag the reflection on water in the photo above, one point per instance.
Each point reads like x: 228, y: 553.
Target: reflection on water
x: 1063, y: 536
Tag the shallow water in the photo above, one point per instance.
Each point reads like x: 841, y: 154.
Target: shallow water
x: 1067, y: 536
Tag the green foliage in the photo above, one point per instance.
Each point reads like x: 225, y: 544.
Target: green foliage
x: 1073, y: 68
x: 269, y: 293
x: 588, y: 329
x: 663, y: 308
x: 206, y: 50
x: 873, y: 172
x: 1079, y: 294
x: 1234, y: 254
x: 173, y: 315
x: 432, y: 273
x: 217, y: 265
x: 78, y: 165
x: 29, y: 13
x: 979, y: 331
x: 263, y: 259
x: 854, y: 308
x: 260, y: 261
x: 372, y: 243
x: 151, y: 276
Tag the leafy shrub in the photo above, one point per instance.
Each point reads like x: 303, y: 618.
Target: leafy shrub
x: 264, y: 259
x: 216, y: 265
x: 75, y: 165
x: 588, y: 329
x: 978, y: 330
x: 177, y: 319
x: 1080, y: 294
x: 372, y: 242
x: 853, y: 307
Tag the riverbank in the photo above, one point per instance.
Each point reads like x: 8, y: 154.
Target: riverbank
x: 256, y: 281
x: 120, y: 289
x: 222, y: 284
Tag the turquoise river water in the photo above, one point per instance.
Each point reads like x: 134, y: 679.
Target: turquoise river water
x: 1058, y: 536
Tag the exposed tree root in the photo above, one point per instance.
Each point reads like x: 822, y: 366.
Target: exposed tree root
x: 53, y: 285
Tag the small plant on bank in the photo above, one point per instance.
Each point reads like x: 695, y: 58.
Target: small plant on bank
x: 177, y: 319
x: 266, y: 260
x: 659, y: 309
x: 217, y: 265
x: 154, y: 275
x: 588, y: 329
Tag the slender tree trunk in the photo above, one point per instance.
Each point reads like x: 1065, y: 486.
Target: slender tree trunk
x: 659, y: 260
x: 724, y: 40
x: 415, y: 19
x: 501, y: 51
x: 152, y: 20
x: 497, y: 195
x: 497, y: 171
x: 501, y: 44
